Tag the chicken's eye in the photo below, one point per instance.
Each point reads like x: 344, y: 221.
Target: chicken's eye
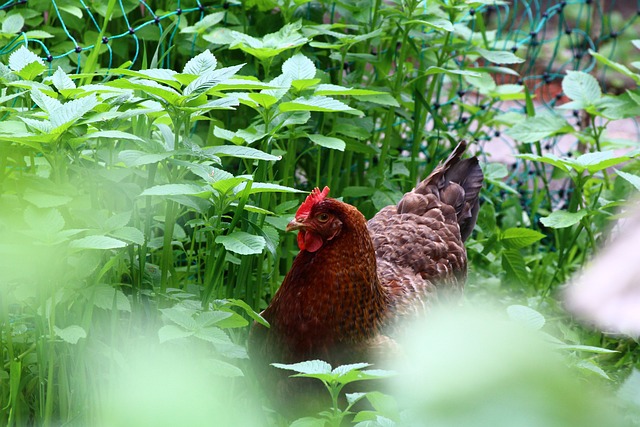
x: 323, y: 217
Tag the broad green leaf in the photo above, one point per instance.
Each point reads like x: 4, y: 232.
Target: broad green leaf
x: 513, y: 263
x: 240, y: 152
x: 103, y: 296
x: 308, y: 367
x: 213, y: 335
x: 180, y: 316
x: 439, y: 70
x: 129, y: 234
x: 61, y: 80
x: 563, y: 218
x: 71, y: 111
x: 202, y: 63
x: 632, y: 179
x: 437, y: 23
x: 13, y: 24
x: 204, y: 24
x: 328, y: 142
x: 527, y: 316
x: 45, y: 102
x: 380, y: 99
x: 344, y: 369
x: 299, y: 67
x: 263, y: 99
x: 516, y: 238
x: 589, y: 365
x: 330, y: 89
x: 172, y: 332
x: 541, y: 126
x: 267, y: 187
x: 208, y: 80
x: 22, y: 57
x: 133, y: 158
x: 247, y: 309
x: 71, y: 334
x: 114, y: 134
x: 499, y: 56
x: 72, y: 10
x: 616, y: 66
x: 242, y: 243
x: 50, y: 220
x: 98, y: 242
x: 305, y: 83
x: 318, y: 103
x: 172, y: 190
x: 594, y: 162
x: 45, y: 200
x: 562, y: 164
x: 582, y: 87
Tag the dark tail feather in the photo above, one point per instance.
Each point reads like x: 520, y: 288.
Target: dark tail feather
x: 457, y: 183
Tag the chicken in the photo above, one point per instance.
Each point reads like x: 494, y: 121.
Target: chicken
x: 353, y: 281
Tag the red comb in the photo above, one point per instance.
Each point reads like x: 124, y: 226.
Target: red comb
x: 316, y: 196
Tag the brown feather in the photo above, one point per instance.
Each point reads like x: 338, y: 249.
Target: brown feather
x: 339, y: 302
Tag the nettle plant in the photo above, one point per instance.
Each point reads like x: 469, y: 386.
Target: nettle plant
x: 598, y: 183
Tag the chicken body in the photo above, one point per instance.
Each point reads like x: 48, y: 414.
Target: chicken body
x: 354, y: 281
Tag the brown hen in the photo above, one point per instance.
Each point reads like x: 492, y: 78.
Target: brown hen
x: 353, y: 281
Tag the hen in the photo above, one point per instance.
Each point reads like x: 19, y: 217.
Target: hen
x: 353, y: 281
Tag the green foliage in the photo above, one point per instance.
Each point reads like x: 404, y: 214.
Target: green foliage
x: 143, y: 208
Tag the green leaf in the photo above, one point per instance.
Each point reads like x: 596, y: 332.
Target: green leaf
x: 13, y: 24
x: 103, y: 297
x: 240, y: 152
x: 97, y: 242
x: 201, y: 64
x: 308, y: 367
x: 541, y: 126
x: 630, y: 178
x: 513, y: 263
x: 563, y: 218
x: 590, y: 366
x: 46, y: 200
x: 582, y: 87
x: 499, y: 56
x: 209, y: 80
x: 527, y: 316
x: 172, y: 190
x: 328, y: 142
x: 71, y: 334
x: 516, y: 238
x: 129, y: 234
x: 329, y: 89
x: 345, y: 369
x: 263, y: 99
x: 318, y: 103
x: 242, y: 243
x: 61, y: 80
x: 562, y: 164
x: 213, y: 335
x: 585, y: 348
x: 68, y: 113
x: 439, y: 70
x: 224, y: 369
x: 172, y: 332
x: 616, y: 66
x: 437, y: 23
x: 299, y: 67
x: 132, y: 158
x: 597, y: 161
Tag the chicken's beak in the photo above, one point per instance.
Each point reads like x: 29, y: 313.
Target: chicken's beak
x: 295, y: 225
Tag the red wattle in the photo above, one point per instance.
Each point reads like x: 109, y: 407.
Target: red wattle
x: 308, y: 241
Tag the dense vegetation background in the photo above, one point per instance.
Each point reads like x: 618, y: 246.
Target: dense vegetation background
x: 151, y: 155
